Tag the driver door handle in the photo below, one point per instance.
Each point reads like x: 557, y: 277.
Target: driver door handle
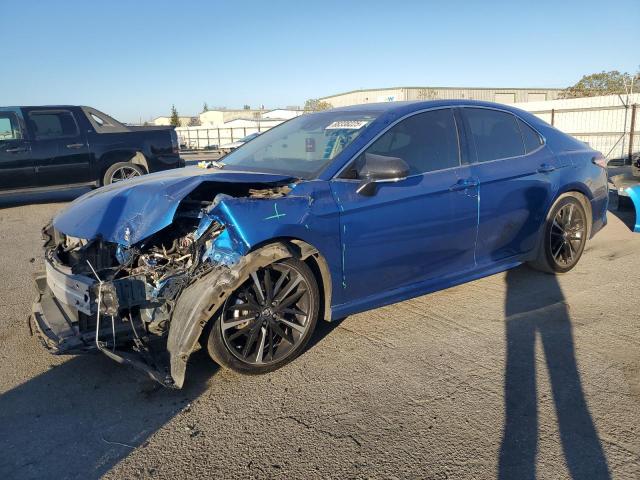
x: 17, y: 150
x: 463, y: 184
x: 546, y: 168
x: 75, y: 145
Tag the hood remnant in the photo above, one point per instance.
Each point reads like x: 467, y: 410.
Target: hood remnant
x: 129, y: 212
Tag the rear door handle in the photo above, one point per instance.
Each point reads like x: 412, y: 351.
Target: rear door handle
x: 17, y: 150
x: 75, y: 145
x: 463, y: 184
x: 546, y: 168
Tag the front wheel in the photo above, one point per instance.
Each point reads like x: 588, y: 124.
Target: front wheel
x: 268, y: 320
x: 564, y: 237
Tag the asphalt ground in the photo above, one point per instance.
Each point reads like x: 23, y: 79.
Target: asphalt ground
x: 517, y: 375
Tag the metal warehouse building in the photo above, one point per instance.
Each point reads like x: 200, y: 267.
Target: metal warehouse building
x: 395, y: 94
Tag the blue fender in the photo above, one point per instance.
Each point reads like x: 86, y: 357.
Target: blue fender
x: 634, y: 195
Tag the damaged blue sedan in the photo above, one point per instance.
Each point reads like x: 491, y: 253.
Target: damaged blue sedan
x: 326, y: 215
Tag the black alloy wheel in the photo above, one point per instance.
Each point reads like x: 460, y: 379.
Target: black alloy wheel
x: 565, y: 235
x: 268, y: 320
x: 568, y: 234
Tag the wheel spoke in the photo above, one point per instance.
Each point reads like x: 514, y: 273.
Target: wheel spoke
x: 251, y: 339
x: 256, y: 287
x: 570, y: 214
x: 295, y: 326
x: 279, y: 283
x: 557, y: 225
x: 568, y: 254
x: 263, y: 338
x: 242, y: 331
x: 291, y: 299
x: 557, y: 252
x: 238, y: 321
x: 293, y: 311
x: 283, y: 334
x: 290, y: 286
x: 268, y: 284
x: 271, y: 342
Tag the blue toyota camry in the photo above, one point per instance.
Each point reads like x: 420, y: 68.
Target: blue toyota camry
x: 326, y: 215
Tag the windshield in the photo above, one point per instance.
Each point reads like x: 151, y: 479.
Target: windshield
x: 303, y: 146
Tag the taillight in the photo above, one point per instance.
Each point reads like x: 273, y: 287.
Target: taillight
x: 175, y: 147
x: 600, y: 161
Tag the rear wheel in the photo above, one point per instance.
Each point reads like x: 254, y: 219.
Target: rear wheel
x: 564, y: 237
x: 268, y: 320
x: 122, y: 171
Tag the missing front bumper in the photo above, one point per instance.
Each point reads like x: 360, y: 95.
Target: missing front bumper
x: 56, y: 324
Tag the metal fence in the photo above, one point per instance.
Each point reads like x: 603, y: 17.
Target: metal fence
x: 613, y: 129
x: 608, y: 124
x: 207, y: 138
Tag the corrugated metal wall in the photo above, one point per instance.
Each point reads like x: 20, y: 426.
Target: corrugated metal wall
x: 500, y: 95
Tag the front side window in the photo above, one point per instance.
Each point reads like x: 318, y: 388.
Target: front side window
x: 426, y: 142
x: 47, y: 125
x: 303, y: 146
x: 9, y: 127
x: 495, y: 134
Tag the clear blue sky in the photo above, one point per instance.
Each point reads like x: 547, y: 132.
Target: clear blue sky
x: 133, y: 59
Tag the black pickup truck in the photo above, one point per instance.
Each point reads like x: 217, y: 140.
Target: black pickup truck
x: 59, y: 146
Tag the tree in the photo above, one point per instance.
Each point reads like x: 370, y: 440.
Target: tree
x: 603, y: 83
x: 205, y: 107
x: 194, y: 122
x: 247, y: 107
x: 316, y: 105
x: 175, y: 119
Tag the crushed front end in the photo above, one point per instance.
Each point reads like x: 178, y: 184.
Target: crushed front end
x: 118, y: 299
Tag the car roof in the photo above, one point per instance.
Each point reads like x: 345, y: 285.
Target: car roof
x: 408, y: 106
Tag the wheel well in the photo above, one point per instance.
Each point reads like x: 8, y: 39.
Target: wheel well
x: 316, y: 263
x: 587, y: 208
x: 132, y: 156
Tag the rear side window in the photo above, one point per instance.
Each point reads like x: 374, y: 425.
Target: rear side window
x: 53, y: 124
x: 426, y: 141
x: 532, y: 140
x: 495, y: 134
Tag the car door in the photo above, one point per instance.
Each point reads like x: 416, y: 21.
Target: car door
x: 16, y: 165
x: 515, y: 172
x: 414, y: 230
x: 61, y: 153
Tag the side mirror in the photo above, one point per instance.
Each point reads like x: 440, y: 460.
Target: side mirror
x: 380, y: 168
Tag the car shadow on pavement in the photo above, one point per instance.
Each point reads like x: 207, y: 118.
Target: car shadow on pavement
x: 535, y: 307
x: 80, y: 418
x: 18, y: 199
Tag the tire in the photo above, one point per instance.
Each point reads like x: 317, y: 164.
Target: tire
x: 564, y: 235
x: 116, y: 171
x: 272, y: 335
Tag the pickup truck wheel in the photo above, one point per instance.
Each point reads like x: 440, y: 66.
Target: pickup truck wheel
x: 122, y: 171
x: 268, y: 320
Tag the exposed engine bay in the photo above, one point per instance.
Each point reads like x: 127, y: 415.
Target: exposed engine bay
x: 120, y: 299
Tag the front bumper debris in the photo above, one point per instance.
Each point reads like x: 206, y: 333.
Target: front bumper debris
x: 58, y: 326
